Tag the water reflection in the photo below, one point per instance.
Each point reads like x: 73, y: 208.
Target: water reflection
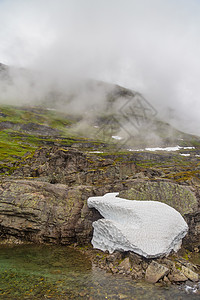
x: 52, y: 272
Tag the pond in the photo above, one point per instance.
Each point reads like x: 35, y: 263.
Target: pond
x: 55, y: 272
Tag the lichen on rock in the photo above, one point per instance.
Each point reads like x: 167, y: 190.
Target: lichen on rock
x: 180, y: 197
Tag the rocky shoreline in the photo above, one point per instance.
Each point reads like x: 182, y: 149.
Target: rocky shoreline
x: 163, y: 272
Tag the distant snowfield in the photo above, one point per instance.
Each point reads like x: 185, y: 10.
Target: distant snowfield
x: 176, y: 148
x: 95, y: 152
x: 116, y: 137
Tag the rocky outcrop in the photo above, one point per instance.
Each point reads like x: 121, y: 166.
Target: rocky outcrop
x: 73, y: 167
x: 183, y: 198
x: 50, y: 206
x: 180, y: 197
x: 43, y: 212
x: 56, y: 166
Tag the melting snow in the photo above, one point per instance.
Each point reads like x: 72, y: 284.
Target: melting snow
x: 149, y: 228
x: 95, y: 152
x: 176, y: 148
x: 116, y: 137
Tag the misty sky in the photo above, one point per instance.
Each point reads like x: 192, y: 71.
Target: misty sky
x: 152, y: 46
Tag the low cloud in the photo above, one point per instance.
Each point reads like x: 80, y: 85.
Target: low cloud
x: 150, y: 46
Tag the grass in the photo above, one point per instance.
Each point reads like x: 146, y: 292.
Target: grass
x: 15, y: 144
x: 38, y: 116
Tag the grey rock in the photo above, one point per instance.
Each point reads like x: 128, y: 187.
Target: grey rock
x: 43, y: 212
x: 155, y: 272
x: 177, y: 276
x: 190, y: 274
x: 182, y: 198
x: 125, y: 264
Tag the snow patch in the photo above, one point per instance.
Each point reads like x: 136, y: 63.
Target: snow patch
x: 116, y: 137
x: 149, y: 228
x: 95, y: 152
x: 176, y: 148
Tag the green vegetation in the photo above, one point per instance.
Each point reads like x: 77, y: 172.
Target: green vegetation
x: 33, y: 115
x: 16, y: 142
x: 24, y: 129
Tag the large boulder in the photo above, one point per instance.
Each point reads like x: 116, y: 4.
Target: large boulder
x: 149, y: 228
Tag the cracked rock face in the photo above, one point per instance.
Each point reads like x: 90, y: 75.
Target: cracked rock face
x: 43, y: 212
x: 149, y: 228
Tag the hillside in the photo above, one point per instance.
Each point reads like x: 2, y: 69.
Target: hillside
x: 56, y: 153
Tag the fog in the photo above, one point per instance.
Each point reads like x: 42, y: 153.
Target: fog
x: 150, y: 46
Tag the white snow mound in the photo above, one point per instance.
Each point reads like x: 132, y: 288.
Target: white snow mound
x: 149, y: 228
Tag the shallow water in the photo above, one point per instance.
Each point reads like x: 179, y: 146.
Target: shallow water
x: 52, y: 272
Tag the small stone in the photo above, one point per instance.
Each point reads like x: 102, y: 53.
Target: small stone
x: 83, y: 294
x: 137, y: 268
x: 114, y: 270
x: 190, y: 274
x: 155, y: 271
x: 165, y: 279
x: 169, y: 264
x: 125, y: 264
x: 135, y: 258
x: 114, y: 256
x: 140, y: 275
x: 110, y: 265
x: 122, y: 296
x: 144, y: 265
x: 159, y: 284
x: 177, y: 276
x: 136, y: 275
